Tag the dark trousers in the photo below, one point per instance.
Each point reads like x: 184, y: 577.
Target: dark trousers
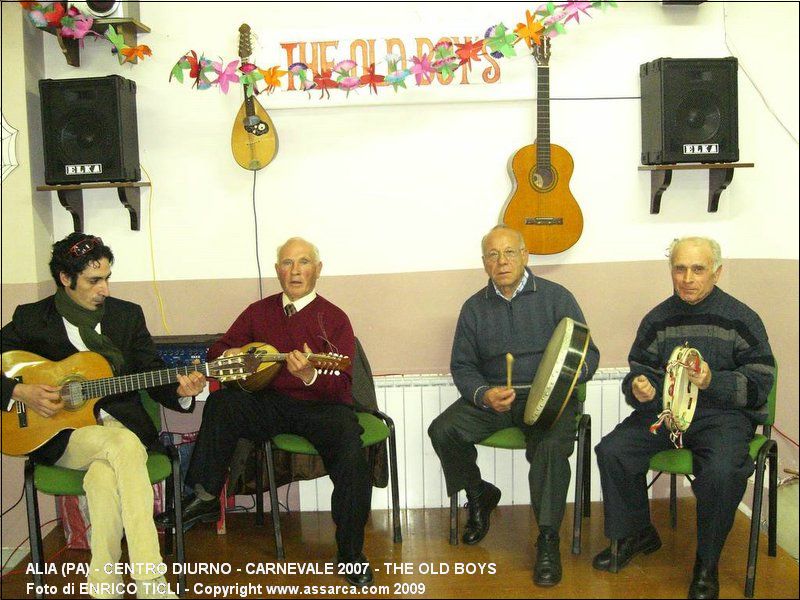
x: 455, y: 432
x: 721, y: 465
x: 332, y: 429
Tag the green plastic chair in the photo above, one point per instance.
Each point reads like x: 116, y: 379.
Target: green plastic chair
x: 512, y: 438
x: 378, y: 427
x: 59, y: 481
x: 762, y: 449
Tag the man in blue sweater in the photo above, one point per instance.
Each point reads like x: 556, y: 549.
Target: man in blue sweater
x: 735, y: 377
x: 515, y: 313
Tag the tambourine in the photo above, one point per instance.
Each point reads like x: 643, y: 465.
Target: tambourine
x: 679, y: 393
x: 557, y: 373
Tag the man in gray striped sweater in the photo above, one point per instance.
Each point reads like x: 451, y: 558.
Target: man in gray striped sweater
x: 735, y: 377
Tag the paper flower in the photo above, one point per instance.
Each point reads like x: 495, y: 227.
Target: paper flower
x: 529, y: 30
x: 398, y: 78
x: 137, y: 52
x: 573, y: 10
x: 501, y: 43
x: 54, y: 14
x: 343, y: 68
x: 325, y: 82
x: 227, y: 75
x: 422, y: 69
x: 371, y: 80
x: 272, y: 77
x: 78, y: 28
x: 468, y: 52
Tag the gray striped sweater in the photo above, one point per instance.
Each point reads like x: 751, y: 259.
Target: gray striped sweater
x: 732, y: 340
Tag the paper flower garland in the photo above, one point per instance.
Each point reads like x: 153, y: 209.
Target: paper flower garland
x: 73, y: 24
x: 547, y: 20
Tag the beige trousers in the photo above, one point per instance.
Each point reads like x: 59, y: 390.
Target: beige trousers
x: 120, y: 497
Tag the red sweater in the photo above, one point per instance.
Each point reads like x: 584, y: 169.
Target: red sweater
x: 323, y: 326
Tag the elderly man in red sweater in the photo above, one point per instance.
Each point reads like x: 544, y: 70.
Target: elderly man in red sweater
x: 299, y: 400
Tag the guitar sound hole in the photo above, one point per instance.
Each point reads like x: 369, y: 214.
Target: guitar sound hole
x: 72, y: 396
x: 543, y: 179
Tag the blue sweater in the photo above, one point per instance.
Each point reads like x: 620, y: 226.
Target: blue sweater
x: 490, y: 326
x: 732, y: 340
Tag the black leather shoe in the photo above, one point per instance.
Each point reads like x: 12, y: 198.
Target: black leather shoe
x: 194, y: 510
x: 705, y: 582
x: 481, y: 503
x: 547, y: 570
x: 357, y: 572
x: 646, y: 541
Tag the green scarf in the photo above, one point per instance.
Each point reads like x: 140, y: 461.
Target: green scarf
x: 86, y: 321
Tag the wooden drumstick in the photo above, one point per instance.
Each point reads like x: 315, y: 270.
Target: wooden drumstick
x: 509, y: 367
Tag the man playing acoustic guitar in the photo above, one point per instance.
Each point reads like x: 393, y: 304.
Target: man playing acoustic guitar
x: 82, y: 316
x: 298, y: 400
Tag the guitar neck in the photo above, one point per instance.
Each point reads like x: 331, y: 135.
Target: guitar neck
x: 98, y: 388
x: 543, y: 115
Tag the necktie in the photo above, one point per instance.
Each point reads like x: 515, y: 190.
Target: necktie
x: 289, y: 309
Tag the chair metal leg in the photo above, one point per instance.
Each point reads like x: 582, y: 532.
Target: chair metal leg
x: 169, y: 505
x: 673, y: 501
x: 755, y: 519
x: 773, y: 501
x: 454, y: 519
x: 259, y: 457
x: 580, y: 488
x: 180, y: 547
x: 613, y: 566
x: 275, y: 508
x: 32, y: 505
x: 587, y: 468
x: 398, y: 534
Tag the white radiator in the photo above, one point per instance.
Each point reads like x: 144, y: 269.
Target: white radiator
x: 413, y: 401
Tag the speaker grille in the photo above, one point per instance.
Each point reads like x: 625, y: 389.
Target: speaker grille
x: 689, y: 110
x: 89, y: 130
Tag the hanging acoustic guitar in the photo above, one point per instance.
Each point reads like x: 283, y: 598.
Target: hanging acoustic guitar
x: 541, y: 205
x: 254, y: 141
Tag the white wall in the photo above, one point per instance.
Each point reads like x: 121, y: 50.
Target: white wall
x: 367, y: 177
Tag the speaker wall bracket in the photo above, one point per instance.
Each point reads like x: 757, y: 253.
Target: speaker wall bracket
x: 71, y: 198
x: 719, y: 177
x: 127, y: 27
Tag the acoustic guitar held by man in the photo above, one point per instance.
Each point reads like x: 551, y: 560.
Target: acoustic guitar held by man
x: 82, y: 316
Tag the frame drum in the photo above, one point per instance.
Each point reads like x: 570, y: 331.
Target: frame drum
x: 557, y: 373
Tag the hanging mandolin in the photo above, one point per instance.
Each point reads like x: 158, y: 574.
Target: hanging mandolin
x: 254, y: 141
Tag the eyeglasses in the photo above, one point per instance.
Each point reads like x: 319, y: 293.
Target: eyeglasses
x: 85, y: 246
x: 510, y: 254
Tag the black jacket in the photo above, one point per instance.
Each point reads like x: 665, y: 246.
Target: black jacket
x: 38, y: 328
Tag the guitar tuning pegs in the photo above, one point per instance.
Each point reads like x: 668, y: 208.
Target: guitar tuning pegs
x: 337, y: 373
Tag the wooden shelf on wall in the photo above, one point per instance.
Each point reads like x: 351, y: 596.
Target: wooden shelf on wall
x: 719, y: 176
x: 129, y: 28
x: 71, y: 198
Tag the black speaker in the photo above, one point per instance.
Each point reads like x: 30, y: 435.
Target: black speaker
x: 89, y: 130
x: 689, y: 110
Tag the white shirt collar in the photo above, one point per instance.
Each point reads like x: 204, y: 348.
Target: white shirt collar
x: 300, y: 303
